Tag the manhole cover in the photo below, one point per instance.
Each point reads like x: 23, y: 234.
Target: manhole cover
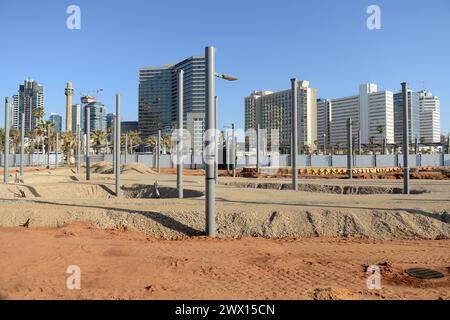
x: 422, y: 273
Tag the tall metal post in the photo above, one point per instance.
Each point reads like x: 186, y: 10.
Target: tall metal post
x: 117, y: 149
x: 416, y: 144
x: 180, y: 122
x: 49, y: 144
x: 114, y: 144
x: 88, y: 144
x: 349, y: 148
x: 405, y: 138
x: 78, y: 149
x: 258, y: 142
x: 126, y: 148
x: 158, y: 146
x: 22, y: 143
x: 227, y: 145
x: 359, y: 142
x: 294, y: 139
x: 6, y: 144
x: 56, y: 148
x: 233, y: 149
x: 324, y: 143
x: 216, y: 165
x: 210, y: 182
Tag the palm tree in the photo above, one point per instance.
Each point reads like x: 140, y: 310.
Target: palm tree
x: 49, y: 126
x: 109, y: 137
x: 134, y: 138
x: 35, y: 137
x: 39, y: 114
x: 151, y: 141
x: 382, y: 130
x: 2, y: 139
x: 166, y: 142
x: 306, y: 148
x: 68, y: 144
x: 338, y: 147
x: 98, y: 138
x: 14, y: 134
x: 32, y: 140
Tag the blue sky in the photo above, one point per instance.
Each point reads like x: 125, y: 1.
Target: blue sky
x: 264, y: 43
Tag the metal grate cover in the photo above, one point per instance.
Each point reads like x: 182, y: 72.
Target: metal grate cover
x: 422, y: 273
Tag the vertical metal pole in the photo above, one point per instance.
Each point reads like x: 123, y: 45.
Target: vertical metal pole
x: 158, y: 166
x: 56, y: 148
x: 210, y: 151
x: 216, y: 165
x: 359, y: 142
x: 233, y: 149
x: 88, y: 144
x: 324, y: 143
x: 78, y: 149
x: 415, y: 145
x: 349, y: 148
x: 294, y: 142
x: 6, y: 144
x: 22, y: 143
x: 405, y: 138
x: 117, y: 150
x: 228, y: 153
x: 126, y: 148
x: 257, y: 147
x: 49, y: 134
x: 180, y: 162
x: 114, y: 145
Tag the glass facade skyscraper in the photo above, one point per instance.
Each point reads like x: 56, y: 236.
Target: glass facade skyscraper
x: 158, y: 93
x: 30, y: 97
x: 97, y: 116
x: 57, y: 120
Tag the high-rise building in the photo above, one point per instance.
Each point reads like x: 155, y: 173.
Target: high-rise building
x: 15, y: 112
x: 76, y: 117
x: 430, y: 117
x: 109, y: 121
x: 372, y: 114
x: 57, y: 120
x: 128, y: 126
x: 413, y: 114
x: 29, y: 98
x: 158, y: 93
x: 97, y: 116
x: 324, y: 112
x: 273, y: 111
x: 196, y: 124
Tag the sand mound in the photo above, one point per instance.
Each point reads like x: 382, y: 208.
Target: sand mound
x: 102, y: 167
x: 136, y: 167
x: 129, y: 168
x: 322, y: 188
x: 139, y: 191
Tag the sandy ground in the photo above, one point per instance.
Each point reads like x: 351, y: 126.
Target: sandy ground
x: 311, y: 244
x: 127, y: 265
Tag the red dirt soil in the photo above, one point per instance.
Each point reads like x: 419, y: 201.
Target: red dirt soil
x: 123, y: 264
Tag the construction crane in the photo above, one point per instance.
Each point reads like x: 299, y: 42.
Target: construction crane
x: 97, y: 93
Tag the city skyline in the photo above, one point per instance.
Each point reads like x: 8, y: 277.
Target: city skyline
x: 362, y: 55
